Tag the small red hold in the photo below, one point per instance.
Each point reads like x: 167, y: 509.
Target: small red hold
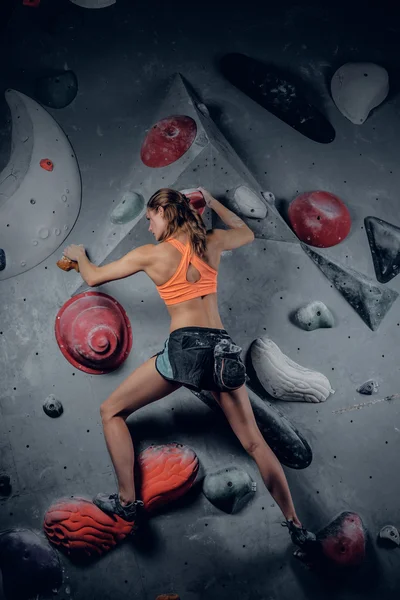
x: 46, y: 164
x: 33, y: 3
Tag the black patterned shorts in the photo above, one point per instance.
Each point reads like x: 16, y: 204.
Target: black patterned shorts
x: 201, y: 358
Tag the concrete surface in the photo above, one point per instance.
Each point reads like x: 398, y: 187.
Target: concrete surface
x: 122, y: 56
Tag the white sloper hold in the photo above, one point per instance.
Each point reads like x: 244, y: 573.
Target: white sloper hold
x: 284, y: 379
x: 357, y: 88
x: 245, y: 201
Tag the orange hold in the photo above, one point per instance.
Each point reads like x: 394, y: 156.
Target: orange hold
x: 80, y: 528
x: 165, y: 473
x: 66, y: 264
x: 46, y: 164
x: 168, y: 597
x: 34, y: 3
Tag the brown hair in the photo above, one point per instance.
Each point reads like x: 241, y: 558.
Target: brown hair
x: 180, y: 214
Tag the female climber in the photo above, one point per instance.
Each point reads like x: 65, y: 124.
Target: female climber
x: 198, y: 354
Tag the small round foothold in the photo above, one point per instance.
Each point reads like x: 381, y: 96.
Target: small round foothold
x: 390, y: 535
x: 35, y: 242
x: 269, y: 197
x: 53, y: 407
x: 46, y: 164
x: 57, y: 231
x: 64, y: 198
x: 368, y: 388
x: 23, y: 263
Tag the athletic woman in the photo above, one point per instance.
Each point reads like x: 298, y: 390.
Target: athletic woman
x: 198, y: 354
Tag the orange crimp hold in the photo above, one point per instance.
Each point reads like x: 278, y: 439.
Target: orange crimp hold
x: 66, y: 264
x: 34, y: 3
x: 168, y: 597
x: 46, y: 164
x: 77, y: 526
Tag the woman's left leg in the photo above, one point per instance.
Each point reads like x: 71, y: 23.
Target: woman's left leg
x: 237, y: 408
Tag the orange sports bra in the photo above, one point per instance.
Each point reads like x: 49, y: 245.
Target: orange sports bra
x: 178, y: 288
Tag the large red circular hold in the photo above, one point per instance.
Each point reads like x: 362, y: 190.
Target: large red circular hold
x: 319, y: 219
x: 93, y: 332
x: 168, y: 140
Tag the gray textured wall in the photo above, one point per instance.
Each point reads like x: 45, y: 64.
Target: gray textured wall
x: 121, y: 56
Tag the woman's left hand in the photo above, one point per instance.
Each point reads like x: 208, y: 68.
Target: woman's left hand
x: 73, y: 252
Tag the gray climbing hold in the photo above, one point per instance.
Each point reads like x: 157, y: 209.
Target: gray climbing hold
x: 93, y: 3
x: 30, y: 566
x: 246, y: 202
x: 384, y: 242
x: 269, y: 197
x: 390, y: 535
x: 314, y: 315
x: 5, y: 484
x: 229, y: 489
x: 2, y: 259
x: 369, y: 299
x: 368, y: 388
x: 357, y: 88
x: 284, y: 379
x: 128, y: 208
x: 57, y: 90
x: 53, y: 407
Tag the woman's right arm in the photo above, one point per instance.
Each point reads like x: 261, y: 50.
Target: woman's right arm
x: 136, y: 260
x: 238, y: 233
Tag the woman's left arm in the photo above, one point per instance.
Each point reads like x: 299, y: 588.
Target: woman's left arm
x: 136, y: 260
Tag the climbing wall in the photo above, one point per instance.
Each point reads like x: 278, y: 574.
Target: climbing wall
x: 313, y: 301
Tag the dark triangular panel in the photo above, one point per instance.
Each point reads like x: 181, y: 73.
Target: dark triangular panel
x: 369, y: 299
x: 384, y: 241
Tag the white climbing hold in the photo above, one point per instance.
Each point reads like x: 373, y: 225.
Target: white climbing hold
x: 245, y: 201
x: 357, y: 88
x: 129, y: 207
x: 314, y: 315
x: 284, y: 379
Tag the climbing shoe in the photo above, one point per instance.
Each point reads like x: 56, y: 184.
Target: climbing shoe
x: 300, y: 536
x: 111, y: 505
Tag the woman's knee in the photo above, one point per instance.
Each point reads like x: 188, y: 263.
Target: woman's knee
x: 109, y: 411
x: 251, y: 445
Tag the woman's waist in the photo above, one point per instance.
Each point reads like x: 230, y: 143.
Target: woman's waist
x: 200, y: 313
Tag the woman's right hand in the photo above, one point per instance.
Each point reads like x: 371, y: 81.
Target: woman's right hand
x: 207, y: 196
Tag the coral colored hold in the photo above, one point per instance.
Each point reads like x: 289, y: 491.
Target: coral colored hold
x: 319, y: 219
x: 66, y: 264
x: 33, y: 3
x: 46, y: 164
x: 77, y: 526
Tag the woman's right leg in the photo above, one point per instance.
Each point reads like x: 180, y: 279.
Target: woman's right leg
x: 238, y: 410
x: 143, y: 386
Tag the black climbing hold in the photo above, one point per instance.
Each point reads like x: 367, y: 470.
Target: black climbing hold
x: 384, y: 241
x: 289, y: 445
x: 368, y: 388
x: 53, y: 407
x: 229, y: 489
x: 5, y: 484
x: 2, y: 260
x: 30, y: 566
x: 57, y: 90
x: 369, y: 299
x: 280, y: 92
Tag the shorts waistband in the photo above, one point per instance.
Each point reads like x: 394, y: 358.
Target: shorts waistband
x: 200, y: 330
